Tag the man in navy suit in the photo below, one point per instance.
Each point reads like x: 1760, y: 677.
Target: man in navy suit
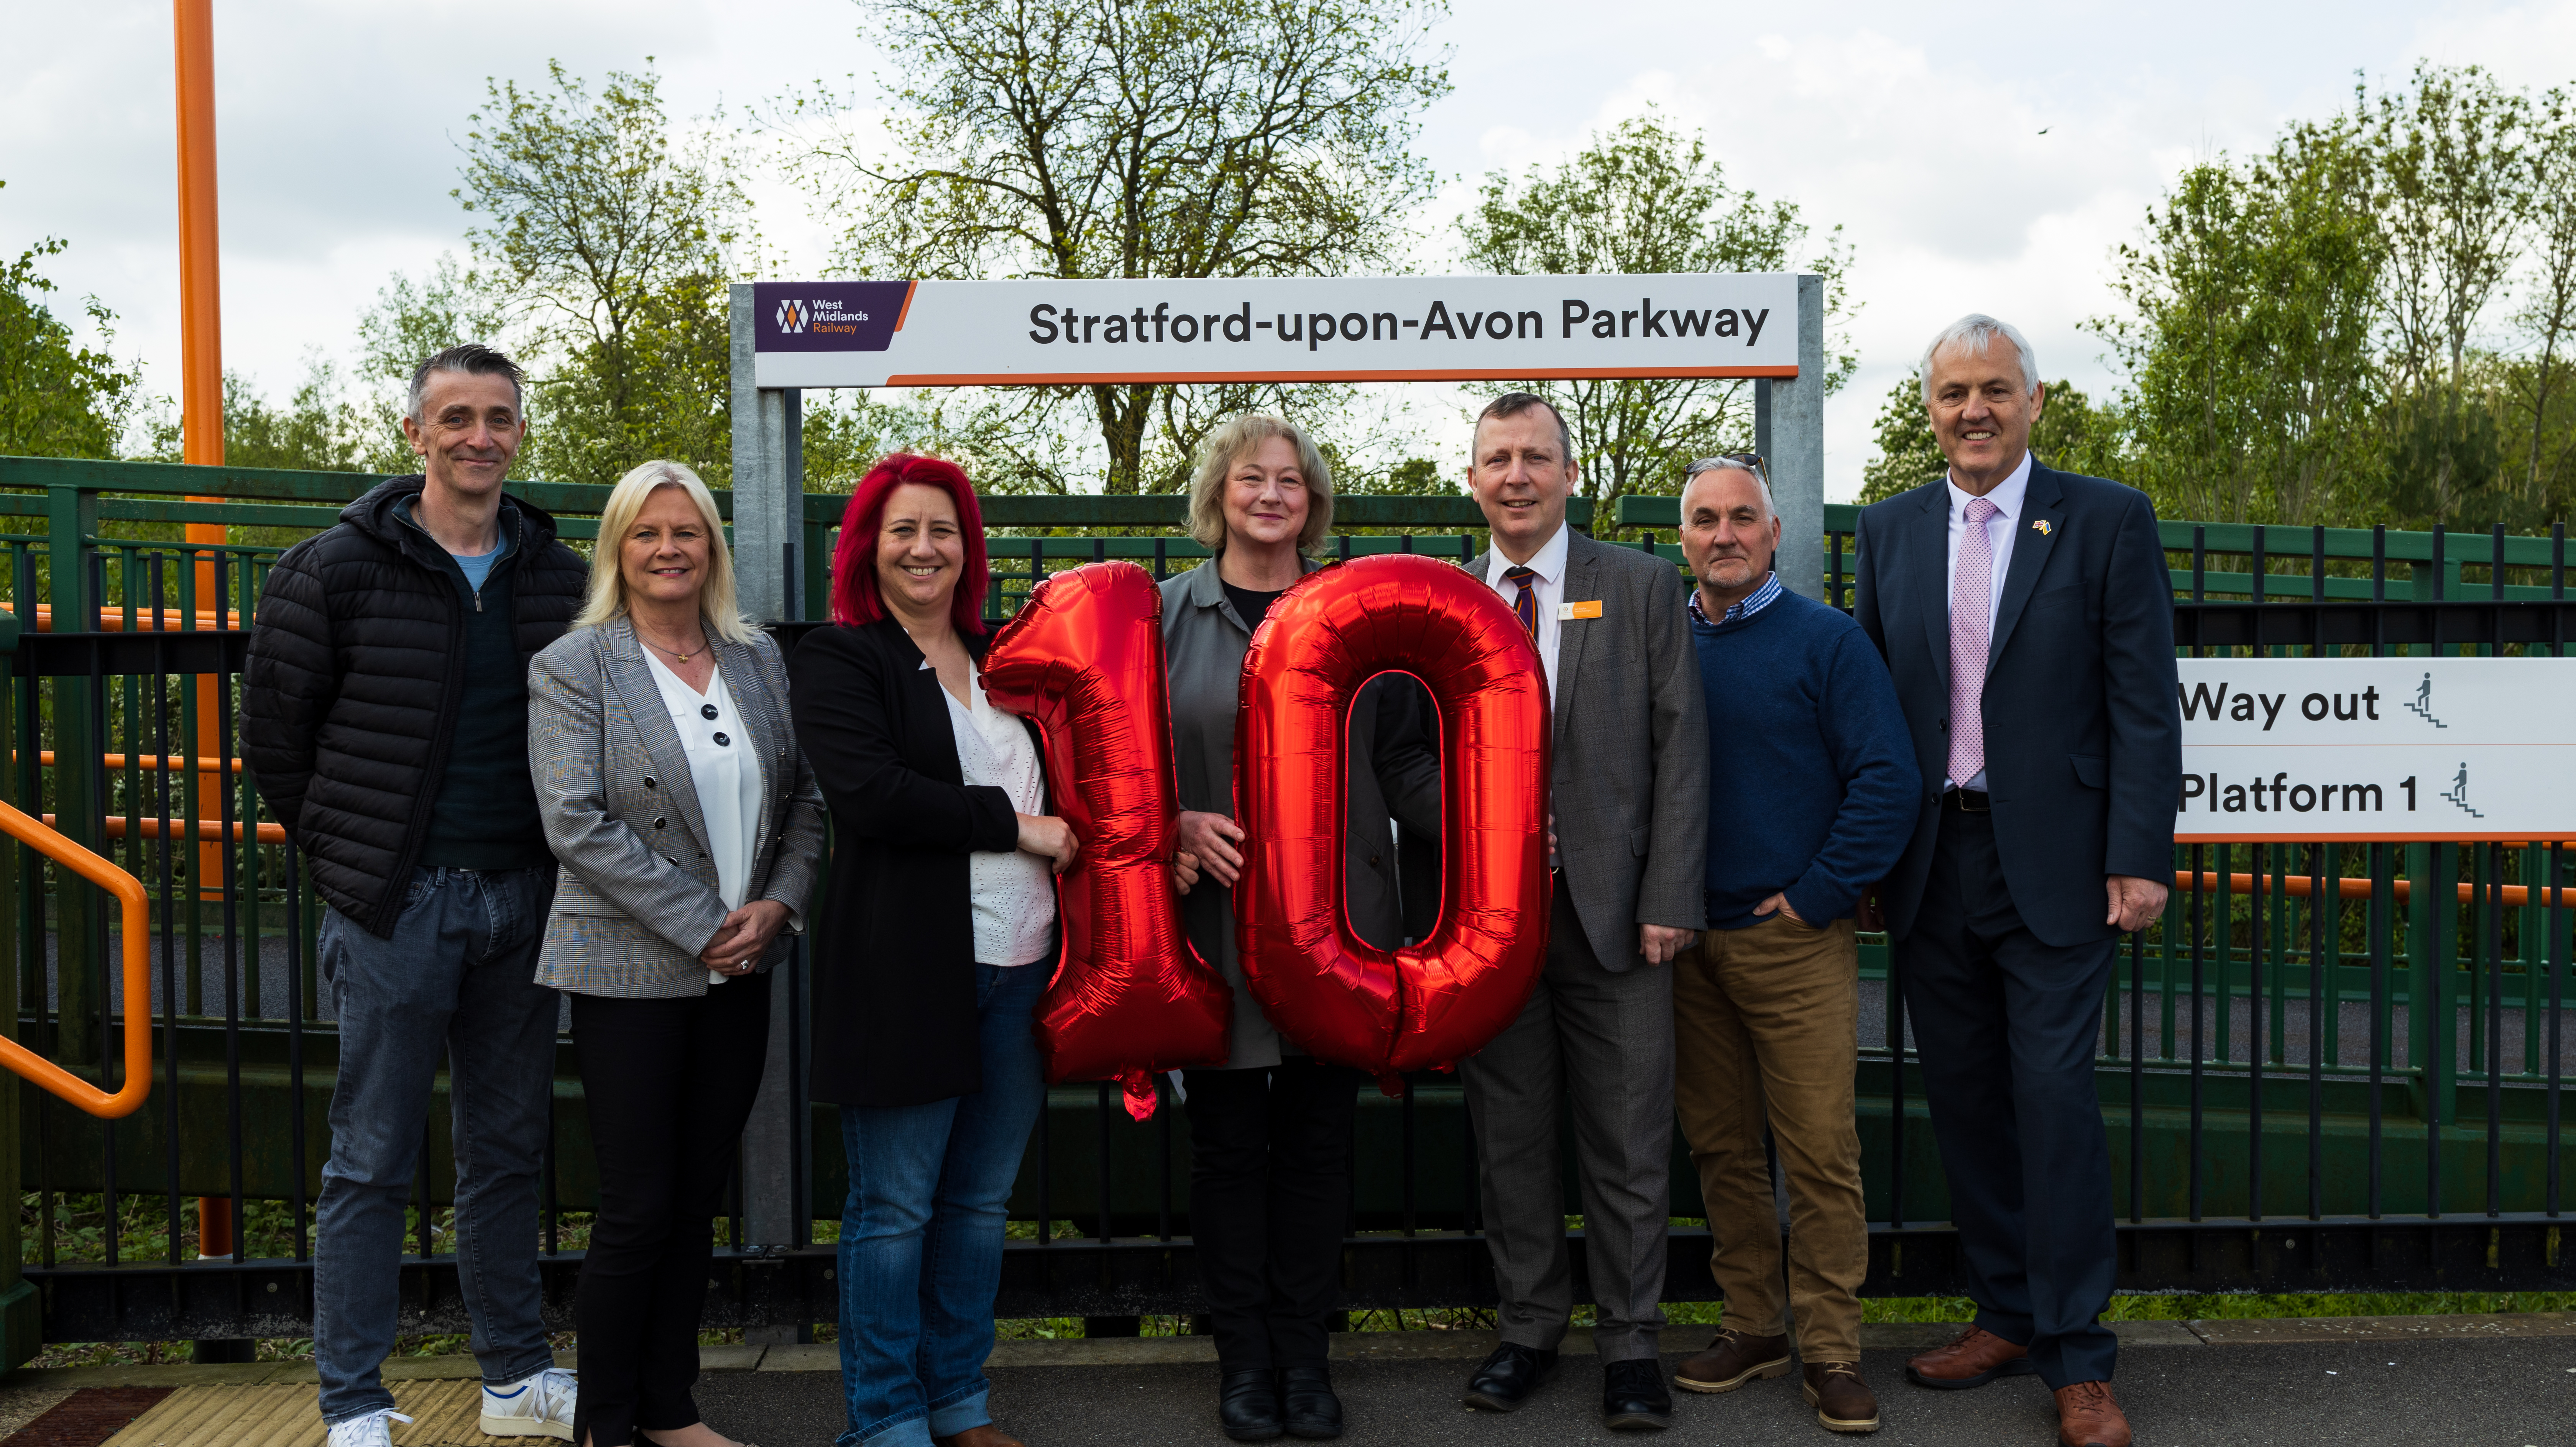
x: 2027, y: 617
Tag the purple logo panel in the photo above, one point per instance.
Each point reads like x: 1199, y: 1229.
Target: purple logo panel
x: 828, y: 316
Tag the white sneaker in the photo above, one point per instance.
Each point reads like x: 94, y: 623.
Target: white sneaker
x: 375, y: 1429
x: 539, y: 1406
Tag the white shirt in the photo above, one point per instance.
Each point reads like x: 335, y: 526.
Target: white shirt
x: 1012, y: 893
x: 2001, y: 529
x: 726, y: 774
x: 1549, y: 585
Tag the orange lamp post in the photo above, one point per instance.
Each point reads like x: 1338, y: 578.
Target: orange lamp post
x: 201, y: 416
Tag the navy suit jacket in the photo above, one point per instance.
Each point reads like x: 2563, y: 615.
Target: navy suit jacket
x: 2083, y: 724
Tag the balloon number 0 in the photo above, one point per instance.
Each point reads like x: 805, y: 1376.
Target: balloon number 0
x: 1420, y: 1006
x: 1130, y: 999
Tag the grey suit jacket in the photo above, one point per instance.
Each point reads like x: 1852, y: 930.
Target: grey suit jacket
x: 637, y: 899
x: 1630, y: 785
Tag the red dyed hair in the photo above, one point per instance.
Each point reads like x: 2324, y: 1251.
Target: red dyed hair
x: 855, y: 598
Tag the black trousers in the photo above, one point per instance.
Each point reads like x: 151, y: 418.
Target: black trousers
x: 669, y: 1084
x: 1270, y: 1195
x: 2007, y: 1026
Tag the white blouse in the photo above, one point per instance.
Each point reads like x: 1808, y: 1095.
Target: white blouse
x: 1013, y: 892
x: 726, y: 773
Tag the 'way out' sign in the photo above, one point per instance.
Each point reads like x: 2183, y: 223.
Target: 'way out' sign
x: 2377, y: 748
x: 1280, y: 329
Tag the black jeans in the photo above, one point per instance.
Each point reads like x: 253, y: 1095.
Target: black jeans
x: 669, y: 1084
x: 1270, y: 1193
x: 2007, y: 1025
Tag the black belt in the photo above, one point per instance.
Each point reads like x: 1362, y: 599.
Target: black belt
x: 1967, y: 801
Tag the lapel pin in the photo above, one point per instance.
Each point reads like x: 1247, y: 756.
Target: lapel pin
x: 2041, y: 527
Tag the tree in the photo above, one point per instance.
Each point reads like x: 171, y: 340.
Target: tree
x: 1643, y: 200
x: 2252, y: 349
x: 317, y: 430
x: 2537, y: 385
x: 57, y: 397
x: 607, y: 243
x: 1133, y: 138
x: 2452, y: 183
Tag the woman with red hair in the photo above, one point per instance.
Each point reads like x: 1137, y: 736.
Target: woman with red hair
x: 938, y: 923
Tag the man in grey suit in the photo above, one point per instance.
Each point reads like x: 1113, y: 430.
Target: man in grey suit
x: 1630, y: 843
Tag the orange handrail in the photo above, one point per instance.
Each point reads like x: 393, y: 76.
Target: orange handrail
x: 111, y: 617
x: 149, y: 763
x: 33, y: 833
x: 2348, y: 887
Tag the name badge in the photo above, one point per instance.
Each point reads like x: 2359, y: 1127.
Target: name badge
x: 1568, y: 612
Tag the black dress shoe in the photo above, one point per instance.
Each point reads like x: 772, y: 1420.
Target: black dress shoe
x: 1308, y: 1404
x: 1633, y: 1398
x: 1247, y: 1405
x: 1507, y: 1378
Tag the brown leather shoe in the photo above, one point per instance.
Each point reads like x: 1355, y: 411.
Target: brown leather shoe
x: 1975, y: 1357
x: 2088, y: 1417
x: 1732, y: 1360
x: 1843, y: 1402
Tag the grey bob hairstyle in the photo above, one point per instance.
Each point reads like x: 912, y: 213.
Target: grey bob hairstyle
x: 1239, y: 439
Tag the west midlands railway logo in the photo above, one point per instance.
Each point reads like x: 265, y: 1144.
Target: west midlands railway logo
x: 793, y: 316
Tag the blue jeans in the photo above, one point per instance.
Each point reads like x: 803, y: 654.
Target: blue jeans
x: 457, y: 978
x: 921, y: 1237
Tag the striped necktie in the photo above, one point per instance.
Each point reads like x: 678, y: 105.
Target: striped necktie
x: 1971, y: 625
x: 1525, y: 603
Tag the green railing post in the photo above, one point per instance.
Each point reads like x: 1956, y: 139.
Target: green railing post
x: 71, y: 516
x: 21, y: 1321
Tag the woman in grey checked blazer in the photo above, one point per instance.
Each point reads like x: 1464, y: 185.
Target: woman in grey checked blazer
x: 689, y: 828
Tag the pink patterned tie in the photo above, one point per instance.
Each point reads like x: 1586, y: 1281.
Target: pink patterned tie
x: 1971, y: 623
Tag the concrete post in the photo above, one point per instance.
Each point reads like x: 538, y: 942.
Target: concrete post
x: 768, y: 533
x: 1796, y: 450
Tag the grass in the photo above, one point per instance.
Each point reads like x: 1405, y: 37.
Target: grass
x: 80, y: 1231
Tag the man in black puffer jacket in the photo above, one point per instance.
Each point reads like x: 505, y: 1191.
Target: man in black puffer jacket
x: 384, y: 716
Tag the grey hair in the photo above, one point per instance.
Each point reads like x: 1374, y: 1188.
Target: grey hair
x: 1236, y: 440
x: 474, y: 359
x: 1977, y: 332
x: 1770, y: 508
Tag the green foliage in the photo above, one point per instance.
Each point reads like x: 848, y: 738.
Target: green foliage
x: 57, y: 398
x: 1645, y: 199
x: 1131, y: 138
x: 317, y: 429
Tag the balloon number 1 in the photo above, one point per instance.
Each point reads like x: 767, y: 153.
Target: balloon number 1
x: 1420, y: 1006
x: 1131, y: 999
x: 1084, y: 659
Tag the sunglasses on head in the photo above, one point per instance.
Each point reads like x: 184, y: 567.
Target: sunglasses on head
x: 1749, y: 461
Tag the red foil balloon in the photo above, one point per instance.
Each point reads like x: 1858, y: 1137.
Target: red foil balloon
x: 1131, y: 999
x: 1343, y: 999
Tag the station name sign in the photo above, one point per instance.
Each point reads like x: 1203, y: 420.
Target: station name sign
x: 1274, y: 329
x: 2377, y: 748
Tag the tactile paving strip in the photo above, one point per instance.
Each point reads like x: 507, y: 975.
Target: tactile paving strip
x: 444, y: 1413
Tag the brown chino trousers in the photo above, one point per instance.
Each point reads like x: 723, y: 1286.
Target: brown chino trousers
x: 1766, y: 1024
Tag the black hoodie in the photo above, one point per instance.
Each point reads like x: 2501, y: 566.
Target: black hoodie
x: 356, y: 681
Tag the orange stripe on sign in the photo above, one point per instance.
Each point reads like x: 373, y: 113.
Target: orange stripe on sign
x: 909, y: 288
x: 1437, y: 374
x: 2447, y: 836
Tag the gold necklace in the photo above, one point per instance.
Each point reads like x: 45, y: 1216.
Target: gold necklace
x: 675, y: 653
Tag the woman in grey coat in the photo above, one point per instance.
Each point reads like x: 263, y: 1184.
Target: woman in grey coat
x: 1270, y: 1130
x: 689, y: 829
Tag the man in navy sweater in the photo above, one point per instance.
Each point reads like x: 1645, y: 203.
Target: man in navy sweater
x: 1813, y: 792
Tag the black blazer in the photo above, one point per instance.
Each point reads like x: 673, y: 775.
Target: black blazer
x: 2083, y: 726
x: 894, y: 969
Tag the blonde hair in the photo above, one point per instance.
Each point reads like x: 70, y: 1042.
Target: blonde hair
x: 1228, y: 445
x: 606, y: 597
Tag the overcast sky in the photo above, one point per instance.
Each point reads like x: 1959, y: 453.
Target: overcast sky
x: 1987, y: 159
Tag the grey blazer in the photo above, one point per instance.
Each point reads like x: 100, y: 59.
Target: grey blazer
x: 636, y: 899
x: 1630, y: 785
x: 1204, y: 641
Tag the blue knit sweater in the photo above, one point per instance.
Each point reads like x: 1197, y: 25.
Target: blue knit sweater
x: 1812, y: 784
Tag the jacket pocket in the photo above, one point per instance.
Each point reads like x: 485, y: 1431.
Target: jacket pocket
x: 2090, y: 771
